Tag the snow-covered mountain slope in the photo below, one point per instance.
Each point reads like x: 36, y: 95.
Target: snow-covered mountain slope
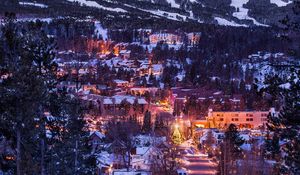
x: 238, y: 13
x: 94, y: 4
x: 281, y: 3
x: 241, y: 12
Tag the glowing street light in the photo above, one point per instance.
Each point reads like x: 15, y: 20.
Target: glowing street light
x: 110, y: 169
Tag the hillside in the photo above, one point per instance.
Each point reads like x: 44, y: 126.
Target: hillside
x: 141, y: 13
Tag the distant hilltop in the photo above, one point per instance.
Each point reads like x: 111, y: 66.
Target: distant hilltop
x: 238, y: 13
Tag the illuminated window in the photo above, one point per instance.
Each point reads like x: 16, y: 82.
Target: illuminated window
x: 264, y: 119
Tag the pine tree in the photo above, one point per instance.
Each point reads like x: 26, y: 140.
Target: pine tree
x: 71, y: 150
x: 287, y: 125
x: 147, y: 122
x: 233, y: 138
x: 230, y: 149
x: 242, y: 87
x: 272, y: 148
x: 27, y: 60
x: 27, y: 94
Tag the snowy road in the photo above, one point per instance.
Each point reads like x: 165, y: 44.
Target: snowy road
x: 199, y: 165
x: 195, y: 162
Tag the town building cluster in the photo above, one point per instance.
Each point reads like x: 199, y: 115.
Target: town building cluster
x: 123, y: 84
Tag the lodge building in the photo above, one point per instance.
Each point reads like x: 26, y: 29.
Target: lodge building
x: 242, y: 119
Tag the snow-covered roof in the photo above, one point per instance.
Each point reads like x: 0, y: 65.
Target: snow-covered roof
x: 218, y: 93
x: 130, y: 100
x: 142, y: 101
x: 98, y: 134
x: 246, y: 137
x: 235, y: 100
x: 143, y: 140
x: 120, y: 81
x: 144, y: 66
x: 107, y: 101
x: 246, y: 147
x: 105, y: 159
x: 142, y: 150
x: 125, y: 52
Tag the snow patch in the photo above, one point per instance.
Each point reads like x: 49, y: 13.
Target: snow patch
x: 280, y: 3
x: 188, y: 61
x: 242, y: 13
x: 99, y: 30
x: 173, y: 3
x: 225, y: 22
x: 161, y: 13
x: 96, y: 5
x: 48, y: 20
x: 33, y: 4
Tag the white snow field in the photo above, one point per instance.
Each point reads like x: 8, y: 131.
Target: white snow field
x: 96, y: 5
x: 281, y: 3
x: 99, y: 30
x: 225, y: 22
x: 33, y: 4
x: 242, y: 13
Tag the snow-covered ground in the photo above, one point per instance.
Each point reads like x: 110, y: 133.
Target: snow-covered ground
x: 263, y: 68
x: 99, y: 30
x: 225, y: 22
x: 48, y: 20
x: 181, y: 72
x: 96, y: 5
x: 33, y: 4
x: 169, y: 15
x: 194, y: 1
x: 161, y: 13
x: 280, y: 3
x: 173, y: 3
x: 242, y: 13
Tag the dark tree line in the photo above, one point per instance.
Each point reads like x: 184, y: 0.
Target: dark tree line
x: 285, y: 126
x: 42, y: 126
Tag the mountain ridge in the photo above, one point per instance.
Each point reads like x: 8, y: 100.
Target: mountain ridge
x: 238, y: 13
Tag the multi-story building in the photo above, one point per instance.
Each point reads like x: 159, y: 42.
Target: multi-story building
x: 242, y: 119
x: 204, y: 98
x: 168, y: 38
x: 118, y: 105
x: 190, y: 39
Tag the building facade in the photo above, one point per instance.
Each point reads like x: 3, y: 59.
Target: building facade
x: 242, y: 119
x: 168, y: 38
